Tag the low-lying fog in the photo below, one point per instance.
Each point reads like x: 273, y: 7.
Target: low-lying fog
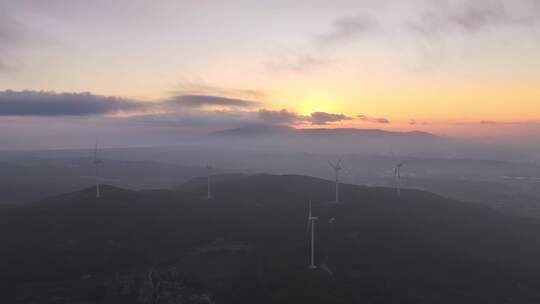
x: 494, y: 173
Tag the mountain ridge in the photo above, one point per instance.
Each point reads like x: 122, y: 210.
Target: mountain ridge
x: 272, y: 130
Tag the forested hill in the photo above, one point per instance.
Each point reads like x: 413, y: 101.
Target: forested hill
x: 249, y: 244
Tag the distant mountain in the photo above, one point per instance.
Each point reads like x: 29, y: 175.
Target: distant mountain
x: 256, y: 130
x: 369, y: 133
x: 250, y: 243
x: 284, y: 131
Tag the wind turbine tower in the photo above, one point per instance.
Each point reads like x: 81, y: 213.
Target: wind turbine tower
x: 337, y: 167
x: 397, y: 174
x: 96, y: 162
x: 311, y: 226
x: 208, y: 184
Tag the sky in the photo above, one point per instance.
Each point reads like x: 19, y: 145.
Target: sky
x: 459, y: 68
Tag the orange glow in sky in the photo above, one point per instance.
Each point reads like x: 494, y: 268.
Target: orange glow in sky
x: 383, y: 60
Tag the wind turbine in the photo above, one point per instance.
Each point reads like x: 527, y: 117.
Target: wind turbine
x: 397, y: 174
x: 208, y: 172
x: 96, y: 162
x: 337, y: 167
x: 311, y: 226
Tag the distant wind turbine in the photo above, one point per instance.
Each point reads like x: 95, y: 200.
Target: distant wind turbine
x: 337, y: 167
x: 96, y: 162
x: 397, y: 173
x: 208, y: 184
x: 311, y: 226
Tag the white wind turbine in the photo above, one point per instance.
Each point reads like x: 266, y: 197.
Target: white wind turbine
x: 397, y: 173
x: 337, y: 167
x: 96, y: 162
x: 208, y: 184
x: 311, y: 226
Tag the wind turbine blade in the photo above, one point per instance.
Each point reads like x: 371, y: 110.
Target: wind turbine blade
x: 331, y: 164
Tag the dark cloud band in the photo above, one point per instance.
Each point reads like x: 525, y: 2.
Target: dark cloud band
x: 380, y: 120
x: 290, y: 117
x: 281, y: 117
x: 322, y: 118
x: 39, y: 103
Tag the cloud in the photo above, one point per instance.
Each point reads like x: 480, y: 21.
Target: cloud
x: 197, y: 96
x: 11, y: 36
x: 434, y: 28
x: 478, y: 15
x: 414, y: 122
x: 210, y: 90
x: 380, y: 120
x: 429, y: 27
x: 290, y: 117
x: 343, y: 29
x: 297, y: 63
x: 322, y: 118
x: 3, y: 66
x: 474, y: 16
x: 11, y: 30
x: 493, y: 122
x: 281, y: 117
x: 40, y: 103
x: 347, y: 28
x: 8, y: 38
x: 200, y: 101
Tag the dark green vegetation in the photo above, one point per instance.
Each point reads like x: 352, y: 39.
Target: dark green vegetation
x: 249, y: 246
